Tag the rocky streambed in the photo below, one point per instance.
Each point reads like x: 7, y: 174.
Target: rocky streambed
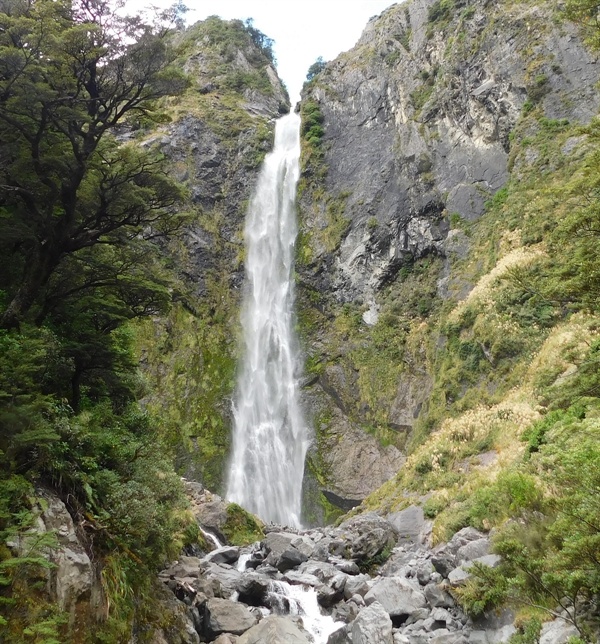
x: 372, y: 580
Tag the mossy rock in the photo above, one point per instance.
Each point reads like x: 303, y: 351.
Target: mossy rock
x: 242, y: 527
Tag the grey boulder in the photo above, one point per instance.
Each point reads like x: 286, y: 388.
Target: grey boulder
x: 399, y: 599
x: 226, y: 616
x: 372, y: 626
x: 274, y: 630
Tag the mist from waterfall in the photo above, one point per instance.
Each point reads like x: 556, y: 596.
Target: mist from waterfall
x: 270, y: 437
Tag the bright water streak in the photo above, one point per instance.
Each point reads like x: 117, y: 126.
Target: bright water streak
x: 297, y: 600
x: 270, y: 437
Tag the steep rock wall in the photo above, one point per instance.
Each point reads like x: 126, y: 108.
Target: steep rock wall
x: 406, y: 136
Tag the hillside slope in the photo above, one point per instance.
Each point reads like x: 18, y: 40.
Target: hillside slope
x: 448, y: 272
x: 412, y: 141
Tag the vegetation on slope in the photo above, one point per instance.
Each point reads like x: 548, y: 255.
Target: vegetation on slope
x: 79, y: 216
x: 508, y: 436
x: 87, y: 287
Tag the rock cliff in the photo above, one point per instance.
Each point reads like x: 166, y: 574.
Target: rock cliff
x: 406, y: 138
x: 215, y: 136
x: 416, y: 126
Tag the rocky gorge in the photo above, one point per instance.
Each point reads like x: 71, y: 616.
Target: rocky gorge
x: 447, y: 308
x: 415, y: 130
x: 376, y: 580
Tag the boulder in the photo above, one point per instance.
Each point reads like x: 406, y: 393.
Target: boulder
x: 411, y: 524
x: 473, y: 550
x: 295, y: 577
x: 372, y: 626
x: 227, y: 577
x: 345, y: 612
x: 444, y: 636
x: 289, y: 559
x: 72, y: 581
x: 344, y: 565
x: 274, y: 630
x: 226, y: 638
x: 396, y: 595
x: 276, y: 542
x: 209, y: 509
x: 435, y: 596
x: 305, y: 545
x: 226, y: 616
x: 182, y: 624
x: 333, y: 592
x: 183, y: 567
x: 320, y: 569
x: 252, y: 589
x: 462, y: 537
x: 366, y: 536
x: 226, y: 554
x: 357, y: 585
x: 557, y: 632
x: 444, y: 563
x: 458, y: 577
x: 341, y: 636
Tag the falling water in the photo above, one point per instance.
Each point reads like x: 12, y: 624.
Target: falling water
x: 270, y: 438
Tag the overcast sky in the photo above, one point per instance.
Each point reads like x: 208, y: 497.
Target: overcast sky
x: 302, y: 29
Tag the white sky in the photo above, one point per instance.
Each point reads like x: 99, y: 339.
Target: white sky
x: 302, y: 29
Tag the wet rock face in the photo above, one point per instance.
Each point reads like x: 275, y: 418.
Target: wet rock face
x: 417, y: 127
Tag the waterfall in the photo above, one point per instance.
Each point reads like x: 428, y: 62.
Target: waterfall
x: 302, y: 601
x: 270, y: 437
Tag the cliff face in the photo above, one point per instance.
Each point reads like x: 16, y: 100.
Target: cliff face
x: 406, y: 137
x: 417, y: 119
x: 215, y: 137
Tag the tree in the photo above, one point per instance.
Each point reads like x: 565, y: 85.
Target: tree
x: 70, y: 74
x: 262, y: 41
x: 316, y: 68
x: 587, y: 14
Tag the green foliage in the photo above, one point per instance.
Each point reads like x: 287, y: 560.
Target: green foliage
x: 420, y: 96
x: 67, y: 183
x: 440, y: 10
x: 25, y: 566
x: 439, y: 16
x: 312, y: 123
x: 529, y: 632
x: 222, y: 44
x: 315, y: 69
x: 262, y: 41
x: 551, y: 559
x: 78, y: 215
x: 370, y: 566
x: 241, y: 527
x: 585, y: 13
x: 538, y: 88
x: 192, y: 396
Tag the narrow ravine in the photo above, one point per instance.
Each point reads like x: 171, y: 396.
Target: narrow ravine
x: 270, y: 437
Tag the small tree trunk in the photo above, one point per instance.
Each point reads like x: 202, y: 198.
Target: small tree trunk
x: 76, y: 391
x: 40, y: 266
x: 19, y: 305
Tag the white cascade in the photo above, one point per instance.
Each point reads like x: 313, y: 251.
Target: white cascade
x: 211, y: 537
x: 270, y: 437
x: 302, y: 601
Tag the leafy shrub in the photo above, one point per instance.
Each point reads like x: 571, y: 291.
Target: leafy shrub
x: 312, y: 120
x: 440, y: 10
